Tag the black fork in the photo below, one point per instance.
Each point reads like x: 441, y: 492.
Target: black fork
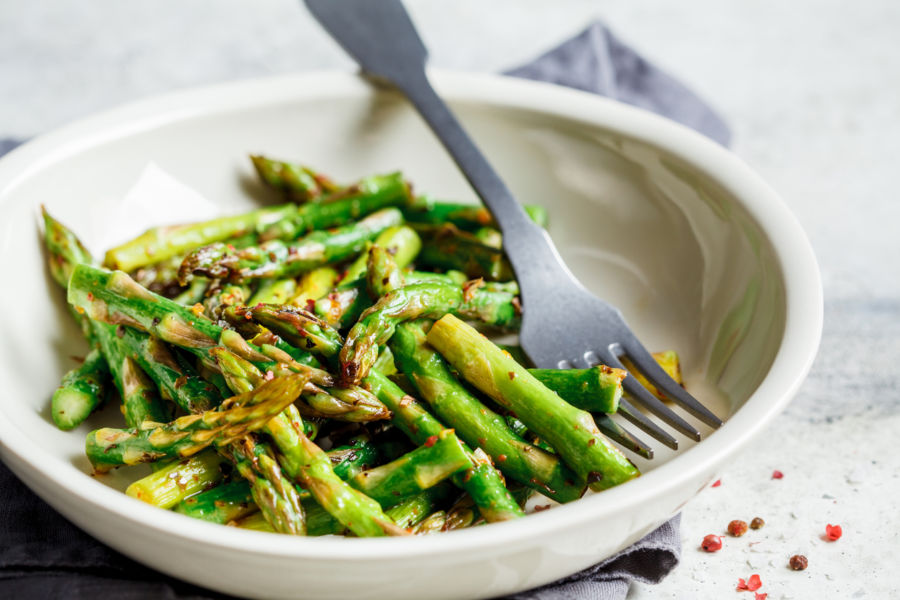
x: 563, y: 324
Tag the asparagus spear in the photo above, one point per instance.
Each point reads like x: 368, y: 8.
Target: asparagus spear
x: 597, y: 389
x: 160, y: 243
x: 296, y: 325
x: 310, y: 466
x: 82, y: 389
x: 273, y: 493
x: 482, y: 481
x: 176, y: 481
x: 572, y: 432
x: 274, y: 291
x: 424, y: 209
x: 279, y: 259
x: 193, y: 293
x: 108, y: 448
x: 401, y: 241
x: 370, y: 194
x: 428, y: 300
x: 670, y: 363
x: 414, y: 509
x: 438, y: 458
x: 140, y: 399
x: 221, y: 504
x: 383, y: 274
x: 447, y: 247
x: 354, y: 405
x: 223, y: 297
x: 433, y: 523
x: 477, y: 424
x: 313, y: 285
x: 299, y: 183
x: 343, y: 306
x: 176, y: 382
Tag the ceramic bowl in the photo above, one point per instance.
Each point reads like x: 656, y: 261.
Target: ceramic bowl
x: 699, y: 253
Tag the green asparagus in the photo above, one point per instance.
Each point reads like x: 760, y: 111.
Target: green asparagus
x: 571, y: 431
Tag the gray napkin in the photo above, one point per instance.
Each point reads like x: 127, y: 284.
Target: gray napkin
x: 44, y: 556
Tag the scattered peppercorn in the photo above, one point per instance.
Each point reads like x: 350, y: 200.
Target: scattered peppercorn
x: 752, y: 583
x: 757, y: 523
x: 712, y: 543
x: 737, y: 528
x: 798, y: 562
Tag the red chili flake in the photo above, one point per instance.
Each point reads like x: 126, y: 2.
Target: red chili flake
x: 511, y: 375
x: 776, y: 474
x: 90, y: 297
x: 716, y: 483
x: 752, y: 584
x: 712, y: 543
x: 540, y: 507
x: 310, y: 304
x: 760, y: 596
x: 431, y: 441
x: 501, y: 458
x: 833, y: 532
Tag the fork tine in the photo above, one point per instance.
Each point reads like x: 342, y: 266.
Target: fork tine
x: 645, y: 399
x: 642, y: 397
x: 639, y: 419
x: 622, y: 436
x: 644, y: 361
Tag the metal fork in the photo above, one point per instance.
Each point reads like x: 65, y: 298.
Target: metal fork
x: 563, y: 325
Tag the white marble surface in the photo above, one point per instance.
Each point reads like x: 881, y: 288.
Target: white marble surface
x: 812, y: 92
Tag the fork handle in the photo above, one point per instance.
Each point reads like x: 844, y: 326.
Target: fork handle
x: 527, y: 245
x: 380, y: 36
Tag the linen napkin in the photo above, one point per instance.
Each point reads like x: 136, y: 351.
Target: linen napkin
x: 44, y: 556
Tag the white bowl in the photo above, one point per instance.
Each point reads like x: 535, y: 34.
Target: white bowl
x: 696, y: 250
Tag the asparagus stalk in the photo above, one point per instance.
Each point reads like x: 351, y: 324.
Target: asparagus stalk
x: 670, y: 363
x: 413, y: 510
x: 176, y: 382
x: 438, y: 458
x: 223, y: 297
x: 176, y: 481
x: 296, y: 325
x: 311, y: 467
x: 421, y: 300
x: 108, y: 448
x: 481, y: 481
x: 313, y: 285
x: 277, y: 259
x: 597, y: 389
x: 160, y: 243
x: 433, y: 523
x: 81, y: 391
x: 383, y: 274
x: 273, y: 493
x: 226, y: 502
x: 401, y: 241
x: 447, y: 247
x: 477, y: 424
x: 274, y: 291
x: 571, y: 431
x: 300, y: 184
x: 465, y: 216
x: 370, y: 194
x: 140, y: 399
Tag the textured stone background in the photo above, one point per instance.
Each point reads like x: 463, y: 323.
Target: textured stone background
x: 812, y: 92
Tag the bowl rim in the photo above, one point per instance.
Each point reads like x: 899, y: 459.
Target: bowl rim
x: 792, y: 251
